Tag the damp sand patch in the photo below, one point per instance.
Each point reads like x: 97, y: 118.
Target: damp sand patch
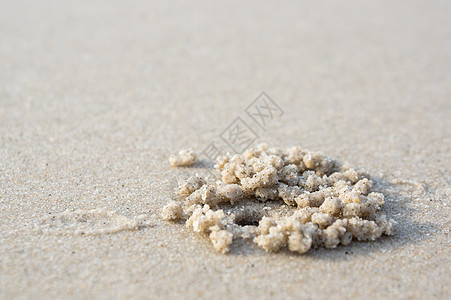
x: 294, y: 198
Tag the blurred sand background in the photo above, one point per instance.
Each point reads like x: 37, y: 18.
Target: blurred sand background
x: 94, y: 95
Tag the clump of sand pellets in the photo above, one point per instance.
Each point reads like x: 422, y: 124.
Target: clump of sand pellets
x: 295, y: 199
x: 184, y: 158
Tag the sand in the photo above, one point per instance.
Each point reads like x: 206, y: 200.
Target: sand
x: 95, y: 96
x: 293, y: 198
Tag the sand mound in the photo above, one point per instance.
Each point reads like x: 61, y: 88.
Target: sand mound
x: 296, y: 198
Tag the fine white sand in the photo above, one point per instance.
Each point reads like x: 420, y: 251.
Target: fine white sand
x: 95, y: 95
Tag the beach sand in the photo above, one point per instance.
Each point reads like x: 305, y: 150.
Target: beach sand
x: 94, y: 97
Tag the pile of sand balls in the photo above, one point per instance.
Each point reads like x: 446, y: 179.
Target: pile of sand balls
x: 295, y: 198
x: 185, y: 157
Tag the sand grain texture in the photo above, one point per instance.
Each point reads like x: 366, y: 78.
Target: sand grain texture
x: 94, y: 96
